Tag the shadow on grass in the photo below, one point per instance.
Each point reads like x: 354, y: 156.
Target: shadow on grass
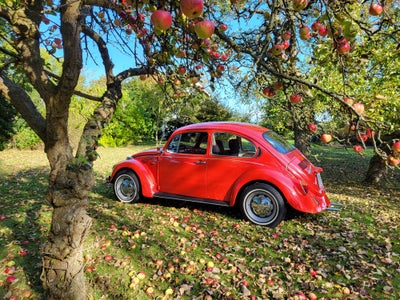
x: 23, y: 205
x: 105, y: 190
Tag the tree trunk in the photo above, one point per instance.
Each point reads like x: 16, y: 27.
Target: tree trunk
x: 376, y: 171
x: 70, y: 181
x: 63, y: 273
x: 302, y: 140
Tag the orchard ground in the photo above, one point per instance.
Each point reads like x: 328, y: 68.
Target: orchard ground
x: 171, y: 250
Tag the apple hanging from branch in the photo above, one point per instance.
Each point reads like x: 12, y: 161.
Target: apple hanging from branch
x: 375, y: 9
x: 343, y: 46
x: 357, y: 148
x: 326, y: 138
x: 161, y: 19
x: 204, y: 29
x: 396, y: 147
x: 359, y: 107
x: 192, y: 8
x: 300, y: 4
x: 295, y: 98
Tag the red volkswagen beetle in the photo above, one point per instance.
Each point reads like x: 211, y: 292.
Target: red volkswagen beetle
x: 227, y: 164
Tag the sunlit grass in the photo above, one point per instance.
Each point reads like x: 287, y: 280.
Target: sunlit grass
x: 353, y: 253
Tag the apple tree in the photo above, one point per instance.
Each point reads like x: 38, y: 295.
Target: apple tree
x: 180, y: 44
x: 287, y: 59
x: 161, y: 42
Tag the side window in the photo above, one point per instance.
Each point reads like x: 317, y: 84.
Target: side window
x: 189, y: 143
x: 232, y: 145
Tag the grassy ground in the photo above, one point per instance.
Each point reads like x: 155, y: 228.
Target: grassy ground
x: 174, y: 251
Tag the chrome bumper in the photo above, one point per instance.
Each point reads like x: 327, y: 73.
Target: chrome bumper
x: 335, y: 206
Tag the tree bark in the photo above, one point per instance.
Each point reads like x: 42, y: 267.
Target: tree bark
x: 63, y: 272
x: 302, y: 140
x: 376, y: 171
x: 378, y: 168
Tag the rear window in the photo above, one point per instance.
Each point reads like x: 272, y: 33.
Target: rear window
x: 278, y: 142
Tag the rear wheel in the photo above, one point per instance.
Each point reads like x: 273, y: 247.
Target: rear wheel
x: 126, y: 186
x: 262, y: 204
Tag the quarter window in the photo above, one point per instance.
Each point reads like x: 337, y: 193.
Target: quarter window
x: 232, y: 145
x: 278, y: 142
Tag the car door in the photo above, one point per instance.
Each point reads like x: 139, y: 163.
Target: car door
x: 182, y: 166
x: 235, y: 156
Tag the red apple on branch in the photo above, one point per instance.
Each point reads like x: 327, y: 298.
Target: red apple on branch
x: 326, y: 138
x: 204, y: 29
x: 362, y: 137
x: 268, y: 91
x: 348, y: 100
x: 375, y: 9
x: 181, y: 70
x: 396, y: 147
x: 300, y: 4
x: 286, y: 35
x: 312, y: 127
x: 323, y: 31
x: 359, y: 107
x: 393, y: 161
x: 285, y: 45
x: 343, y: 46
x: 223, y: 27
x: 295, y: 98
x: 161, y: 19
x: 370, y: 133
x: 305, y: 33
x: 316, y: 26
x: 276, y: 50
x: 192, y: 8
x: 358, y: 148
x: 278, y: 85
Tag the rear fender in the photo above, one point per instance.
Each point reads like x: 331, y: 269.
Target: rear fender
x: 285, y: 184
x: 145, y: 176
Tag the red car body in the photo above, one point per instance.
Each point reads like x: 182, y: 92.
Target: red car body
x: 228, y: 164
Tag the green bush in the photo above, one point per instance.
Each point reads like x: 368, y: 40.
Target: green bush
x: 25, y: 138
x: 7, y: 117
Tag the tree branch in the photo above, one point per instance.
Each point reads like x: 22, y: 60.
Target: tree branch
x: 24, y: 105
x: 102, y: 47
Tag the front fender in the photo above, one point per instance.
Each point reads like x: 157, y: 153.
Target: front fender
x: 146, y: 178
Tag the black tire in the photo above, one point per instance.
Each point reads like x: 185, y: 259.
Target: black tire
x: 126, y: 186
x: 262, y: 204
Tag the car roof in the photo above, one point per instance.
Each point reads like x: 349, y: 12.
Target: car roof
x: 224, y: 125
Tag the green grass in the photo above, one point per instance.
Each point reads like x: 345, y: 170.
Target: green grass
x: 355, y: 252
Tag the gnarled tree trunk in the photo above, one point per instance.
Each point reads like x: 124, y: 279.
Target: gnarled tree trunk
x: 378, y: 168
x: 63, y: 275
x: 71, y: 179
x: 376, y: 171
x: 302, y: 140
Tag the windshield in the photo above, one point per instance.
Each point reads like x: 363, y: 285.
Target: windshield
x: 278, y: 142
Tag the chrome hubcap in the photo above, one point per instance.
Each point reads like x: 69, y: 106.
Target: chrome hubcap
x: 127, y: 187
x: 262, y: 205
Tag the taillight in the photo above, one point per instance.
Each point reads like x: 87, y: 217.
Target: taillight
x: 304, y: 186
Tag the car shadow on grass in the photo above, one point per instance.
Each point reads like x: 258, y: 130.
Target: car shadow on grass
x: 105, y: 190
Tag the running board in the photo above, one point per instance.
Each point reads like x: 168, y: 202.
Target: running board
x: 189, y: 199
x: 335, y: 206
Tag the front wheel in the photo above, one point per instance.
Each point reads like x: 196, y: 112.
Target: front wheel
x: 262, y: 204
x: 126, y: 186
